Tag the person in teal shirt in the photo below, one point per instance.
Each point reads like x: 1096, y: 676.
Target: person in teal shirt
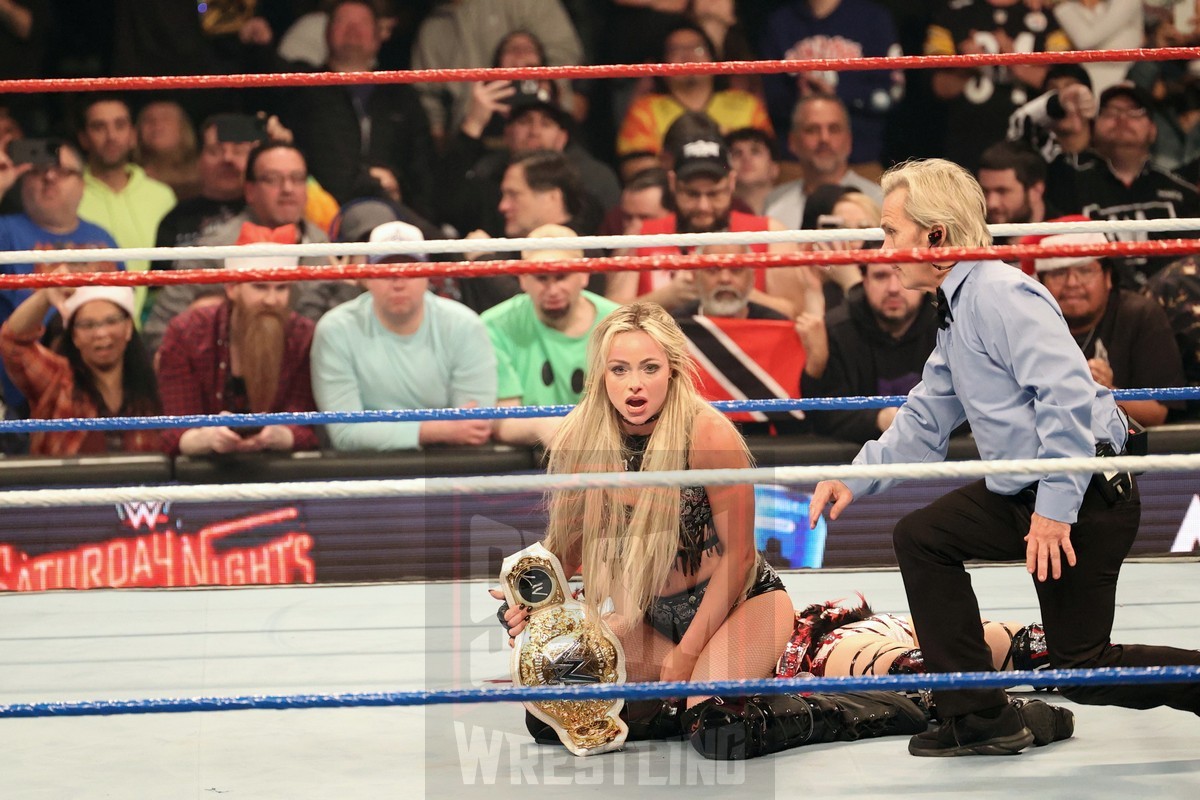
x: 399, y: 346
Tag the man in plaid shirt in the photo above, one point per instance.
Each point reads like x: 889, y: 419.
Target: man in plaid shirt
x: 245, y: 353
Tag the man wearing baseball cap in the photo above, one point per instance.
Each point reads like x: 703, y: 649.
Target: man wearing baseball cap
x: 702, y: 183
x: 1124, y: 184
x: 471, y: 174
x: 398, y: 345
x: 1125, y: 336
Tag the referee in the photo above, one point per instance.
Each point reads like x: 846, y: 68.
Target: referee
x: 1006, y: 363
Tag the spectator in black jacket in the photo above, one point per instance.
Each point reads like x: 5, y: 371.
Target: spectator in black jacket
x: 366, y: 139
x: 1123, y: 183
x: 1125, y: 336
x: 539, y: 188
x: 222, y: 182
x: 879, y: 340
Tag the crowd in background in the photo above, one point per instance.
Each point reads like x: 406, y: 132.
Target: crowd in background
x: 473, y: 161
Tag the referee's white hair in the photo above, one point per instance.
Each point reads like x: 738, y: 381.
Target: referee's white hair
x: 942, y: 193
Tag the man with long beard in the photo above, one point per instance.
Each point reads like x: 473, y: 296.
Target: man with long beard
x: 249, y: 354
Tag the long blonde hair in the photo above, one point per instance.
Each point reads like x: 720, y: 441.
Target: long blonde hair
x: 625, y: 558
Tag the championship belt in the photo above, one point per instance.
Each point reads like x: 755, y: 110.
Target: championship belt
x: 559, y: 647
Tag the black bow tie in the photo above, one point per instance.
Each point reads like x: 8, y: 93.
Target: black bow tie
x: 943, y: 309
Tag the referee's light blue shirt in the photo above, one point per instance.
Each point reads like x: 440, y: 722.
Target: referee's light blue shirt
x: 1008, y: 365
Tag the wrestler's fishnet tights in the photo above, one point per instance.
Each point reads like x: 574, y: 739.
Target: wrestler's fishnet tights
x: 747, y: 645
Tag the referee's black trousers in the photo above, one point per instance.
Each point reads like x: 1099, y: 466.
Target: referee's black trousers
x: 1077, y: 609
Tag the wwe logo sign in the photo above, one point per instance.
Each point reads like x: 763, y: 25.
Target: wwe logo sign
x: 143, y: 515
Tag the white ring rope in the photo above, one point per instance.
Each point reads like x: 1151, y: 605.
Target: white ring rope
x: 508, y: 484
x: 441, y: 246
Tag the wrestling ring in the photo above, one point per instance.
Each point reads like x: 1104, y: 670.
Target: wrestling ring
x: 380, y: 689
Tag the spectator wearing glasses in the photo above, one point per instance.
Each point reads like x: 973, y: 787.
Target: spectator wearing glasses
x: 51, y: 196
x: 226, y: 141
x: 99, y: 368
x: 1125, y: 336
x: 1124, y: 183
x: 276, y: 192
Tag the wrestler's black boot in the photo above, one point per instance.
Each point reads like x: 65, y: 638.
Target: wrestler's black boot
x: 652, y: 720
x: 540, y: 731
x: 750, y: 727
x: 1028, y: 649
x: 646, y: 719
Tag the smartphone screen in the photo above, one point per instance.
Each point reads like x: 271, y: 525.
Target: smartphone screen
x: 828, y: 221
x: 38, y: 152
x: 247, y: 431
x: 239, y: 128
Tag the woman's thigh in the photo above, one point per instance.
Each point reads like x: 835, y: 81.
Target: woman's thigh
x: 750, y: 641
x: 645, y: 650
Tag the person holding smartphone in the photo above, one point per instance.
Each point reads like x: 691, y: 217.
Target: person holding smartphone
x: 225, y: 144
x: 50, y: 174
x: 247, y: 353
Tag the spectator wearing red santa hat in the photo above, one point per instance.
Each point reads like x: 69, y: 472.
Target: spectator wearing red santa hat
x: 98, y: 368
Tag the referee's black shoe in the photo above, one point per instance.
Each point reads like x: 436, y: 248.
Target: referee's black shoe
x: 1047, y: 723
x: 993, y: 732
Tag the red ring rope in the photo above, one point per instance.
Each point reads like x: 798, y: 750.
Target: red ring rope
x: 470, y: 269
x: 33, y: 85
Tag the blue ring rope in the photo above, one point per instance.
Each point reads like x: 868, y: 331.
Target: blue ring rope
x: 1107, y: 676
x: 504, y: 412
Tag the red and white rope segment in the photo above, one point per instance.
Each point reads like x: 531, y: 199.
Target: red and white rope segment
x: 466, y: 269
x: 442, y: 246
x: 256, y: 80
